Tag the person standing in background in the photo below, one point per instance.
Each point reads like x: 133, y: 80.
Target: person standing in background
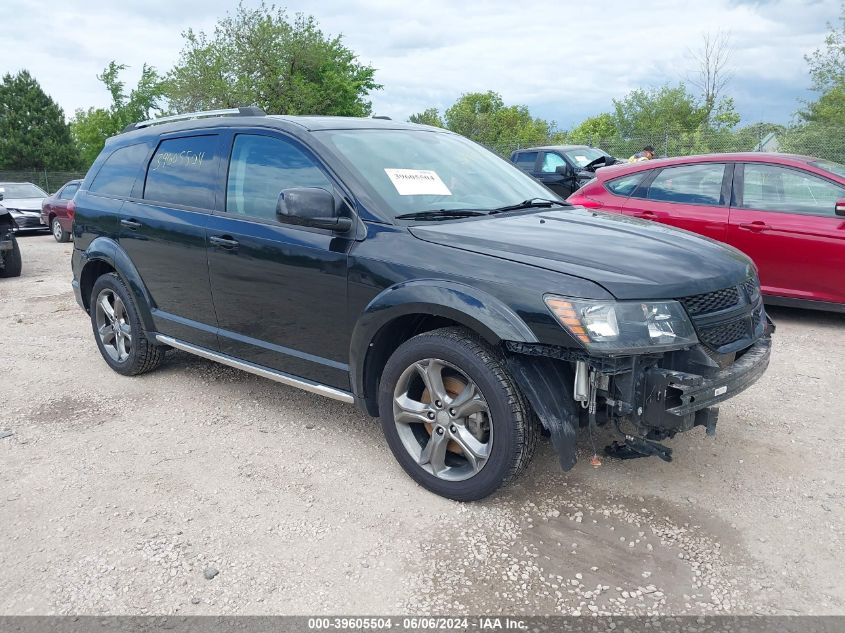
x: 646, y: 154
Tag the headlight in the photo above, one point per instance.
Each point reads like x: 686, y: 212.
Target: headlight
x: 624, y: 326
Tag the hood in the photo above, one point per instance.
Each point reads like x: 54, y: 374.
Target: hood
x: 23, y: 204
x: 630, y: 258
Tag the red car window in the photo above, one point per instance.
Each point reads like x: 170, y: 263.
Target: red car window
x: 774, y: 188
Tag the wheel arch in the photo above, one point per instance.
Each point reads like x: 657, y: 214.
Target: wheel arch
x: 410, y: 308
x: 104, y: 256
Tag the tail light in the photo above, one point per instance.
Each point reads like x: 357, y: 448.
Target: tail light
x: 71, y: 209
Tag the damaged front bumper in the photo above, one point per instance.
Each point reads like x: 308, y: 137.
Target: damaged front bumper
x: 646, y: 397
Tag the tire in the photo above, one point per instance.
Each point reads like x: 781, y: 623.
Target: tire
x: 12, y: 261
x: 59, y: 234
x: 504, y: 433
x: 131, y: 357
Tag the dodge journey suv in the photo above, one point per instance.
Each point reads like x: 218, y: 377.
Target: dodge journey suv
x: 410, y: 271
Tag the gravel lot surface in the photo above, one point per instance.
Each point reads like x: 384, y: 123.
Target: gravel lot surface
x: 200, y: 489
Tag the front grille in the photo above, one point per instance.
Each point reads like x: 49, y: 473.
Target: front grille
x: 724, y: 333
x: 738, y: 324
x: 711, y: 301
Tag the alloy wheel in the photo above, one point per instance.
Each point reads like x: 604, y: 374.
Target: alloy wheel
x: 57, y: 229
x: 442, y: 419
x: 113, y: 325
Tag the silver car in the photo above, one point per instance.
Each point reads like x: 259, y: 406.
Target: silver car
x: 23, y: 200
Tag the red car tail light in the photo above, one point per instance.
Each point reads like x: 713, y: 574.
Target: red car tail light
x: 71, y: 209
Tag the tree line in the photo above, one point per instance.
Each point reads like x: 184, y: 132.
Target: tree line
x: 287, y: 65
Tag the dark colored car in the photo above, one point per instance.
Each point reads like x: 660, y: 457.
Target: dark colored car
x: 408, y: 270
x: 57, y: 211
x: 10, y: 252
x: 786, y: 212
x: 562, y: 168
x: 23, y: 201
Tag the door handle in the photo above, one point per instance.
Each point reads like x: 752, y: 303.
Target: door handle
x: 756, y: 227
x: 224, y: 242
x: 646, y: 215
x: 132, y: 224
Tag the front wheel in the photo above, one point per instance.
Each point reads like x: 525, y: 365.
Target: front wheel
x: 452, y: 415
x: 59, y: 233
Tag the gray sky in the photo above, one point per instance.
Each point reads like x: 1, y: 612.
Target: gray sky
x: 565, y: 60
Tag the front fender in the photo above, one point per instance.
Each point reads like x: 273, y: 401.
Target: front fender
x: 477, y: 310
x: 105, y: 249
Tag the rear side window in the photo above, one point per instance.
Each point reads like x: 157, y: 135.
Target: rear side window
x: 625, y: 185
x: 117, y: 175
x: 690, y: 184
x: 260, y: 168
x: 526, y: 160
x: 183, y: 172
x: 68, y: 191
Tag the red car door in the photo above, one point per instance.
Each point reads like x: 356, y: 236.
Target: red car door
x: 692, y: 197
x: 784, y: 218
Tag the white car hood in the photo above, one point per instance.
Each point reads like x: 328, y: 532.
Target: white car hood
x: 23, y: 204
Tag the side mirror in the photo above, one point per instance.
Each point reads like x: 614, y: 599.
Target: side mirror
x: 310, y: 206
x: 839, y: 208
x: 565, y: 170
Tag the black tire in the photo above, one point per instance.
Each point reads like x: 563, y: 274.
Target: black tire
x: 143, y: 356
x: 513, y: 429
x: 59, y: 234
x: 12, y: 261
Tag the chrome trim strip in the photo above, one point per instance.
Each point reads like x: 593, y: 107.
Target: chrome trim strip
x: 258, y: 370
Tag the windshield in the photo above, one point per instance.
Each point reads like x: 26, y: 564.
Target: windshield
x: 409, y: 171
x: 583, y: 156
x: 12, y: 190
x: 829, y: 165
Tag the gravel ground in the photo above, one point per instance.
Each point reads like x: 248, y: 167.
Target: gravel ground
x: 199, y: 489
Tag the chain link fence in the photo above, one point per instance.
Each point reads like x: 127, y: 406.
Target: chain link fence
x: 49, y: 181
x: 827, y: 143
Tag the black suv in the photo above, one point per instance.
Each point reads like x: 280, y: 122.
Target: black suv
x: 562, y: 168
x: 408, y: 270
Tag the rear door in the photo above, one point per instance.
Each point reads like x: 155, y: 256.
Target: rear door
x: 784, y: 218
x: 694, y: 197
x: 61, y: 200
x: 163, y: 232
x: 279, y: 289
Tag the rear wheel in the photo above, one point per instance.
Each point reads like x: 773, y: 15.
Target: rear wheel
x: 452, y: 415
x: 58, y: 232
x: 12, y: 261
x: 118, y: 331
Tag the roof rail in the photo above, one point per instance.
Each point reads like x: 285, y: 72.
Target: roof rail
x: 383, y: 117
x: 241, y: 111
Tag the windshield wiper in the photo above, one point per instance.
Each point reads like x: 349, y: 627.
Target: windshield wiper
x: 531, y: 203
x: 440, y: 214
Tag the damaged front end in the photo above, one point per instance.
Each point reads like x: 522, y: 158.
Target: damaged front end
x: 649, y: 396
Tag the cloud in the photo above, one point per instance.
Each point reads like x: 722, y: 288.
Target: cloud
x: 564, y: 60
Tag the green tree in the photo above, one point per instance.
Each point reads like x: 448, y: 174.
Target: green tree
x: 430, y: 116
x: 827, y: 73
x: 93, y: 126
x: 261, y: 57
x: 651, y: 112
x: 484, y: 117
x: 33, y: 131
x: 593, y: 130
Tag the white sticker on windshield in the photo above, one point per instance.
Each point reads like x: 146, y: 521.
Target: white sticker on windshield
x: 417, y: 182
x: 582, y: 160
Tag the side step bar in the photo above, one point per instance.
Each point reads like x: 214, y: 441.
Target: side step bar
x: 258, y: 370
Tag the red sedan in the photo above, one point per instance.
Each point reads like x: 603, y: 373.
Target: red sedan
x: 786, y: 212
x: 57, y: 211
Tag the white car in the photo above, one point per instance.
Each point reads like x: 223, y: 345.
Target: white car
x: 23, y: 200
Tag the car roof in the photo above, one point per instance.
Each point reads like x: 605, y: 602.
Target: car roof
x: 619, y: 169
x: 288, y: 123
x: 18, y: 182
